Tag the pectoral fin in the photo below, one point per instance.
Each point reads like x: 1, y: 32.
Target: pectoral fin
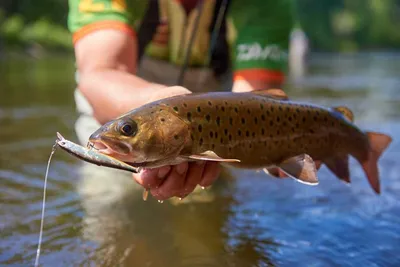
x: 301, y: 168
x: 211, y: 156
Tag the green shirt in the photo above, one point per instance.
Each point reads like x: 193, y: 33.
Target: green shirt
x: 257, y: 30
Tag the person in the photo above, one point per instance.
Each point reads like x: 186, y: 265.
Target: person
x: 131, y: 52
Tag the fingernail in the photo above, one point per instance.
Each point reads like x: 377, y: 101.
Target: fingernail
x: 182, y: 168
x: 162, y: 172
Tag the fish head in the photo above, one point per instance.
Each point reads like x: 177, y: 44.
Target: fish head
x: 142, y: 137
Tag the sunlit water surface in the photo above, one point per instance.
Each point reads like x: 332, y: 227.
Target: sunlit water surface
x: 94, y: 218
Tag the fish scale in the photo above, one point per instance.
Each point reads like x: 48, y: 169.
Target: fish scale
x: 255, y: 130
x: 285, y: 132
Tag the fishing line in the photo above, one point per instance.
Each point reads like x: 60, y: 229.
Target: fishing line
x: 181, y: 75
x: 44, y: 204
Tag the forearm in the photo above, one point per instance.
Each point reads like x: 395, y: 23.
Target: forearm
x: 112, y: 92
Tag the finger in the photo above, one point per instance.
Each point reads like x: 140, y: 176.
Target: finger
x: 193, y: 178
x: 210, y: 174
x: 152, y: 178
x: 173, y: 183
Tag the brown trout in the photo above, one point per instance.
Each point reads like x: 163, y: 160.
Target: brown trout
x: 252, y: 130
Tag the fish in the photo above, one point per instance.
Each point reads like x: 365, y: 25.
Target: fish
x: 92, y: 156
x: 262, y: 129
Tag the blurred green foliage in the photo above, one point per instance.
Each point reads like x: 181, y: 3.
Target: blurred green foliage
x: 331, y: 25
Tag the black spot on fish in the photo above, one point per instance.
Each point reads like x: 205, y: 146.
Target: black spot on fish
x: 268, y: 113
x: 230, y: 137
x: 189, y: 116
x: 254, y: 134
x: 297, y: 110
x: 263, y: 117
x: 304, y: 119
x: 185, y: 105
x: 223, y: 108
x: 325, y: 119
x: 176, y: 137
x: 211, y: 134
x: 290, y: 118
x: 216, y: 134
x: 262, y: 131
x: 239, y: 132
x: 271, y: 123
x: 226, y: 102
x: 241, y: 102
x: 312, y: 131
x: 284, y: 123
x: 192, y: 137
x: 218, y: 120
x: 293, y: 129
x: 226, y: 131
x: 201, y: 142
x: 216, y: 107
x: 162, y: 119
x: 278, y: 119
x: 208, y: 117
x: 243, y: 121
x: 248, y: 111
x: 315, y: 118
x: 250, y: 146
x: 198, y: 109
x: 200, y: 128
x: 278, y: 132
x: 230, y: 121
x: 255, y: 120
x: 209, y: 103
x: 236, y: 110
x: 221, y: 140
x: 247, y: 133
x: 213, y: 146
x: 280, y: 108
x: 176, y: 108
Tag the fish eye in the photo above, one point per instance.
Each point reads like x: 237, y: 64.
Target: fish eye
x: 129, y: 128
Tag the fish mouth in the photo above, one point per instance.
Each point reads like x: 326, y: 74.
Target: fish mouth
x: 120, y: 150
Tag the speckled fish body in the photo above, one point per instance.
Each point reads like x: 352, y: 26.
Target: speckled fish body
x: 245, y: 130
x: 261, y: 131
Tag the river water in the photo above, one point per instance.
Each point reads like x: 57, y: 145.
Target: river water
x: 246, y: 219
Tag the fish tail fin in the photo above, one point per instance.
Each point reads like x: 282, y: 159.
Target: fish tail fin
x: 340, y: 167
x: 378, y: 143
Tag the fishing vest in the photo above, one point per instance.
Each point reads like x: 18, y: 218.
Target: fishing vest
x: 220, y: 55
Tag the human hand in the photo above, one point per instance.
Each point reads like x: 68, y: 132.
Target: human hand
x: 178, y: 180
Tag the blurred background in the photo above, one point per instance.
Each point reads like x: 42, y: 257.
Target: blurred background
x: 331, y: 25
x: 343, y: 52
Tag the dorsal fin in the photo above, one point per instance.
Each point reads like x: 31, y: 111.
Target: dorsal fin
x: 272, y: 93
x: 346, y: 112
